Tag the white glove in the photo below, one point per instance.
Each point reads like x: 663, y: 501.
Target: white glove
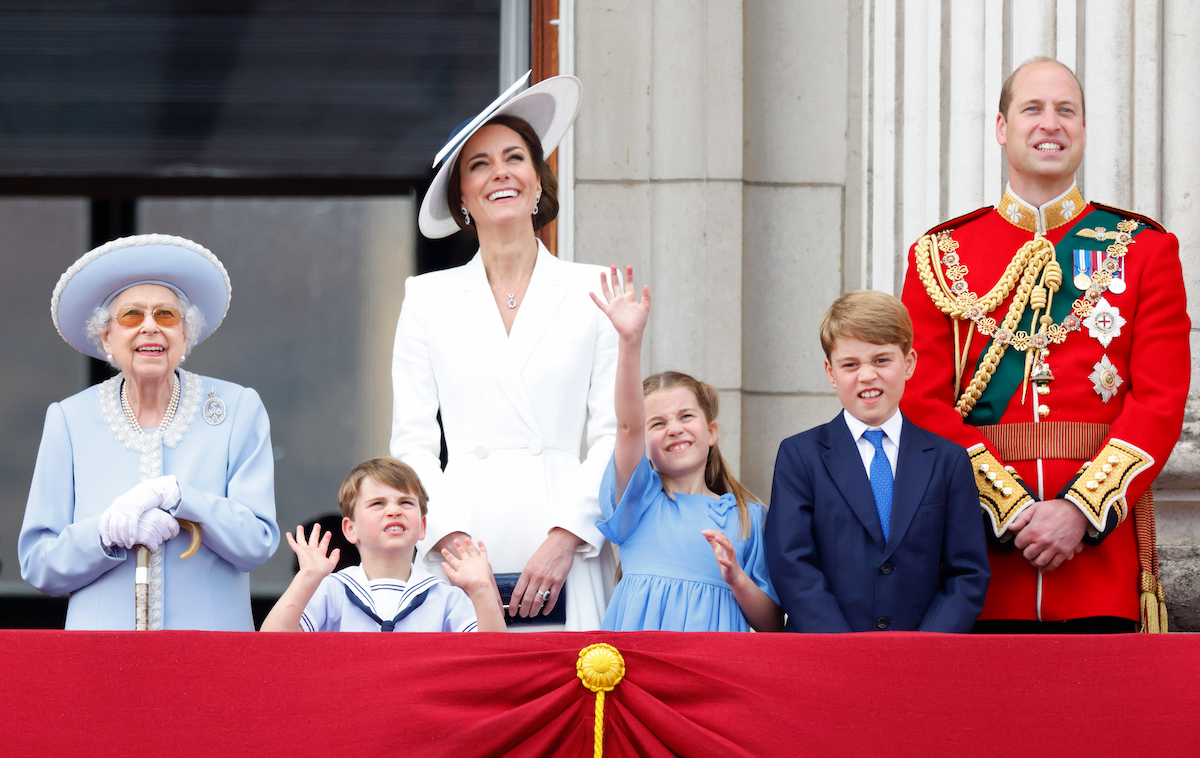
x: 118, y: 523
x: 156, y: 527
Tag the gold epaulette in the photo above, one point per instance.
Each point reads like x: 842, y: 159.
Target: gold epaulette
x: 1102, y: 482
x: 1002, y: 493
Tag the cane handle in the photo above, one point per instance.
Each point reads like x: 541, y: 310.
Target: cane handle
x: 193, y: 529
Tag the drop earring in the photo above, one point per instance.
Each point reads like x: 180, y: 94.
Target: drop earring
x: 536, y: 200
x: 466, y: 215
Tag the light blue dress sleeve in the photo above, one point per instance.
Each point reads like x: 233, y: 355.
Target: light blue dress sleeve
x: 754, y: 562
x: 620, y: 520
x: 57, y: 554
x: 239, y: 524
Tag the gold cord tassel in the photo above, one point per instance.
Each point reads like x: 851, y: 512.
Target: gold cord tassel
x: 1162, y: 609
x: 601, y: 668
x: 1149, y: 604
x: 1152, y: 599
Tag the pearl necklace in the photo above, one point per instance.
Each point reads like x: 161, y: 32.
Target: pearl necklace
x: 168, y: 416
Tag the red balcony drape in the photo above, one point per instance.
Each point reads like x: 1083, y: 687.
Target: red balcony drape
x: 235, y: 694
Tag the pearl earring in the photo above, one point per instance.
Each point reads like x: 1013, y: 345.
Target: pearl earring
x: 108, y: 357
x: 466, y: 215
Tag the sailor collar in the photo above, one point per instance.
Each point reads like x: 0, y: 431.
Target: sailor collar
x: 1058, y: 212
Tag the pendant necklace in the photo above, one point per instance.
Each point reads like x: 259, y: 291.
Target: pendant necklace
x: 512, y: 296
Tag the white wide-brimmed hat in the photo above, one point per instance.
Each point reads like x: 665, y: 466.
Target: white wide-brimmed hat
x: 550, y: 107
x: 174, y: 262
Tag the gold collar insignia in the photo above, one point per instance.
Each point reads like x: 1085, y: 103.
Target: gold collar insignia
x: 1058, y: 212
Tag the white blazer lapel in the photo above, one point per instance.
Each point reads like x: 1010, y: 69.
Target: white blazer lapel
x: 485, y: 330
x: 542, y: 300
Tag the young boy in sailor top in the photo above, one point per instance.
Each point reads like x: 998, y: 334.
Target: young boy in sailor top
x: 383, y: 507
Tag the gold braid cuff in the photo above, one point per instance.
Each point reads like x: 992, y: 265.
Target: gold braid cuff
x: 1002, y: 493
x: 1102, y: 482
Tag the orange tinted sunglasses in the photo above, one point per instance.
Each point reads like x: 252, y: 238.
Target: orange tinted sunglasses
x: 164, y: 316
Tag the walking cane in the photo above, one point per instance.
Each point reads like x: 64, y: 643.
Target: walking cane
x: 141, y: 575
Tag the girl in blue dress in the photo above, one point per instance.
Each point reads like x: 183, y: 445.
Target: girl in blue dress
x: 690, y: 535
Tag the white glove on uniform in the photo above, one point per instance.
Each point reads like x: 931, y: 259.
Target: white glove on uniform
x: 119, y: 522
x: 156, y: 527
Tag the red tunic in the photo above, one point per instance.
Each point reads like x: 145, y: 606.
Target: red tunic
x: 1150, y: 355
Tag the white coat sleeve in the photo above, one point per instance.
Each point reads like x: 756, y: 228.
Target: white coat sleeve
x: 239, y: 524
x: 581, y: 499
x: 416, y: 436
x: 57, y: 554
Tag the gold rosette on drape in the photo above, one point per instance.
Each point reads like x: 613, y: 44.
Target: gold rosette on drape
x: 600, y: 667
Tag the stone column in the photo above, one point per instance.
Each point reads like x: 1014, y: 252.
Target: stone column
x: 658, y: 176
x: 796, y: 93
x: 1178, y: 501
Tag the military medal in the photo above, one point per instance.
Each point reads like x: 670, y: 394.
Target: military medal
x: 1087, y: 262
x: 1104, y: 322
x: 214, y: 408
x: 1105, y: 379
x: 1095, y: 273
x: 1108, y: 268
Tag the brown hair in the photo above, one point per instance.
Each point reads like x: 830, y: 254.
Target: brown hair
x: 1006, y: 91
x: 717, y: 476
x: 548, y: 203
x: 389, y: 471
x: 869, y: 315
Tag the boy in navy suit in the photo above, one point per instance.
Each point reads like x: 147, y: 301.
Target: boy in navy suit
x: 874, y: 522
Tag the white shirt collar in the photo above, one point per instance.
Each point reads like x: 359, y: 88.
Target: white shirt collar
x: 891, y: 427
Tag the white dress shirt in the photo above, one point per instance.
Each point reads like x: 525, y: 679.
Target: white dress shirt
x: 891, y: 439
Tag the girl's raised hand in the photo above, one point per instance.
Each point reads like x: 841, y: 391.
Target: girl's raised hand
x: 725, y: 554
x: 311, y: 553
x: 627, y: 314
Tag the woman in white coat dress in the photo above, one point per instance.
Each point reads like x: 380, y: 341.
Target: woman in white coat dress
x: 519, y: 362
x: 123, y: 462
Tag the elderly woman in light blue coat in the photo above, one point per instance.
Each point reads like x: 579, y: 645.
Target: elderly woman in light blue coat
x: 121, y: 463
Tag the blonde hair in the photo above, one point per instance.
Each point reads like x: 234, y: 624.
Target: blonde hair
x: 394, y: 473
x: 717, y: 476
x: 869, y: 315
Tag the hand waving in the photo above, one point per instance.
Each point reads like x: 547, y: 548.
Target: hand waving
x: 470, y: 568
x: 726, y: 555
x: 311, y: 553
x: 627, y: 314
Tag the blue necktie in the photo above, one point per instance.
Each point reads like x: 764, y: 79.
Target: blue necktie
x: 881, y: 479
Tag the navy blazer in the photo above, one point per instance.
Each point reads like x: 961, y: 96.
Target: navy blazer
x: 825, y: 548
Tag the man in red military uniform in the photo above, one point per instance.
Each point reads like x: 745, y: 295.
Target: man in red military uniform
x: 1053, y: 337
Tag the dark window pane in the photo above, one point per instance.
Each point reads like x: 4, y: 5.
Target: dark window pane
x: 354, y: 88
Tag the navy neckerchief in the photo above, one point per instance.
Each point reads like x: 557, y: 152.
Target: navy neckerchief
x: 386, y: 626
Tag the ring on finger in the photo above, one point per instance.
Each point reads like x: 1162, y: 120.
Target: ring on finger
x: 544, y: 595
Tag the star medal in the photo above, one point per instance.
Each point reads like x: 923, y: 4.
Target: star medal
x: 1104, y: 322
x: 214, y: 408
x: 1105, y: 379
